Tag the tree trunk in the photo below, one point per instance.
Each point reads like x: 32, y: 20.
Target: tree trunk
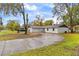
x: 24, y: 22
x: 71, y: 25
x: 71, y: 30
x: 71, y: 17
x: 26, y: 31
x: 23, y: 13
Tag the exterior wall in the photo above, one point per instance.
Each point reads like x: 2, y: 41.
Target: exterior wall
x: 50, y: 30
x: 30, y: 29
x: 62, y: 30
x: 37, y: 30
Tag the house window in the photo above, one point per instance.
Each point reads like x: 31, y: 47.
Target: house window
x: 53, y: 29
x: 47, y: 29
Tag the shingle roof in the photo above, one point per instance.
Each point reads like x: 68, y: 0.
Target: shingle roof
x: 53, y: 26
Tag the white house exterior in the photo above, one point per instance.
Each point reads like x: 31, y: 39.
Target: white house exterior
x: 49, y: 29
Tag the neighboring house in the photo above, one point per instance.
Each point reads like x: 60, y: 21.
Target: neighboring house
x: 57, y: 28
x: 76, y: 28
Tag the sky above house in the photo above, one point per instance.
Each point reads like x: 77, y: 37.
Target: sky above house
x: 33, y: 9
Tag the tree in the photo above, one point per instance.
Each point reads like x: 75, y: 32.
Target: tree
x: 13, y: 25
x: 14, y: 8
x: 1, y: 27
x: 1, y: 23
x: 27, y: 25
x: 48, y: 22
x: 69, y: 12
x: 38, y: 21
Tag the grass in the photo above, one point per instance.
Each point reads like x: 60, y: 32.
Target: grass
x: 11, y: 35
x: 4, y: 35
x: 64, y: 48
x: 6, y: 32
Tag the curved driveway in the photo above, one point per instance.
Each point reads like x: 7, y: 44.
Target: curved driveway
x: 20, y: 45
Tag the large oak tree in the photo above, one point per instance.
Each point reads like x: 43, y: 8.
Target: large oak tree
x: 69, y: 12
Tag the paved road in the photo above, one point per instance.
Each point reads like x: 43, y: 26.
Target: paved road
x: 20, y: 45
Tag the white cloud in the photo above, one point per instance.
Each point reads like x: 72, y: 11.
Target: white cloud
x: 51, y: 5
x: 30, y: 7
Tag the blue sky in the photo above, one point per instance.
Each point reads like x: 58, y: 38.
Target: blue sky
x: 33, y: 9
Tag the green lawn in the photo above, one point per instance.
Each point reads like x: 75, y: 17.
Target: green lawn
x: 6, y: 35
x: 6, y: 32
x: 11, y: 35
x: 64, y: 48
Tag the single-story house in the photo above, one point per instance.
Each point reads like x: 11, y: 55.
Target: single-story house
x: 56, y: 28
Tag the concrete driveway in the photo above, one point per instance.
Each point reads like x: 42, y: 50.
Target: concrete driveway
x: 20, y: 45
